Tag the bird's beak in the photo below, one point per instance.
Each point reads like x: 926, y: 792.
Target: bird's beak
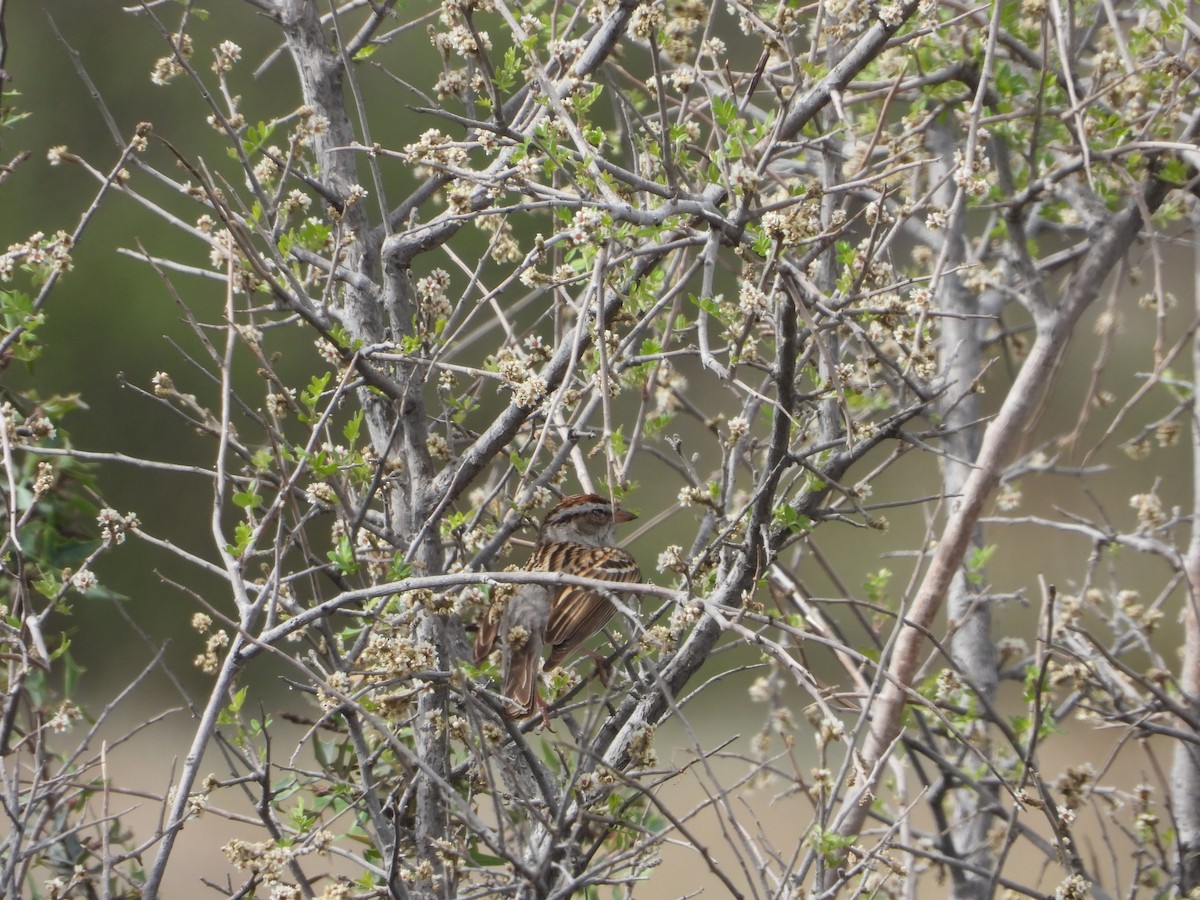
x: 621, y: 515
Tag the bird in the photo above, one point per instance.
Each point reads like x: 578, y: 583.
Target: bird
x: 576, y: 537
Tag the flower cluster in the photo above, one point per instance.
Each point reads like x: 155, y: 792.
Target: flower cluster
x: 113, y: 525
x: 1150, y: 512
x: 460, y: 40
x: 976, y: 178
x: 45, y: 479
x: 642, y: 754
x: 321, y: 495
x: 308, y: 125
x: 266, y: 170
x: 646, y: 21
x: 752, y: 300
x: 743, y: 178
x: 585, y: 225
x: 209, y: 661
x: 167, y: 67
x: 434, y: 150
x: 227, y: 54
x: 84, y: 581
x: 265, y: 858
x: 431, y: 291
x: 65, y: 717
x: 504, y: 247
x: 38, y: 252
x: 295, y: 201
x: 846, y: 17
x: 672, y: 559
x: 1130, y: 604
x: 531, y: 391
x: 279, y: 404
x: 528, y: 387
x: 396, y: 656
x: 687, y: 18
x: 224, y: 255
x: 34, y: 427
x: 795, y: 225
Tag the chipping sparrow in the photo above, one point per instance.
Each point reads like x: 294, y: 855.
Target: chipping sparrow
x: 576, y: 537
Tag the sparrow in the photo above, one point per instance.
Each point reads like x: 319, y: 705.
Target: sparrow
x: 576, y: 537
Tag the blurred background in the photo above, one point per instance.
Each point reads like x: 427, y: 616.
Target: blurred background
x: 113, y: 318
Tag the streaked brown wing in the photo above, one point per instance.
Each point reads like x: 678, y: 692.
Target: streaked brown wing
x: 520, y: 679
x: 526, y: 614
x: 577, y: 613
x: 485, y: 639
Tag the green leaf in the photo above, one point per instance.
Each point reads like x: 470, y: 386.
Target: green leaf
x: 583, y: 103
x: 342, y: 556
x: 239, y: 698
x: 262, y: 459
x: 506, y: 74
x: 761, y: 243
x: 787, y: 517
x: 243, y: 534
x: 48, y: 586
x: 617, y: 441
x: 311, y: 395
x: 247, y: 499
x: 977, y: 561
x: 228, y: 715
x: 724, y: 111
x: 72, y: 671
x: 255, y: 137
x: 1173, y: 171
x: 322, y: 464
x: 830, y: 844
x: 876, y: 584
x: 351, y: 431
x: 17, y: 312
x: 485, y: 859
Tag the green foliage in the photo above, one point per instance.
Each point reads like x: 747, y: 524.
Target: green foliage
x: 506, y: 73
x: 343, y: 558
x: 243, y: 535
x: 352, y: 429
x: 231, y: 713
x: 310, y: 397
x: 1173, y: 170
x: 17, y: 312
x: 617, y: 440
x: 8, y: 113
x: 830, y: 844
x: 725, y: 112
x: 977, y: 560
x: 876, y: 585
x: 582, y: 103
x: 399, y: 569
x: 247, y: 499
x: 656, y: 424
x: 254, y: 138
x: 312, y: 235
x: 785, y: 516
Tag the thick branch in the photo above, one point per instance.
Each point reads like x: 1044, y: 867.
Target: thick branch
x: 1006, y: 430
